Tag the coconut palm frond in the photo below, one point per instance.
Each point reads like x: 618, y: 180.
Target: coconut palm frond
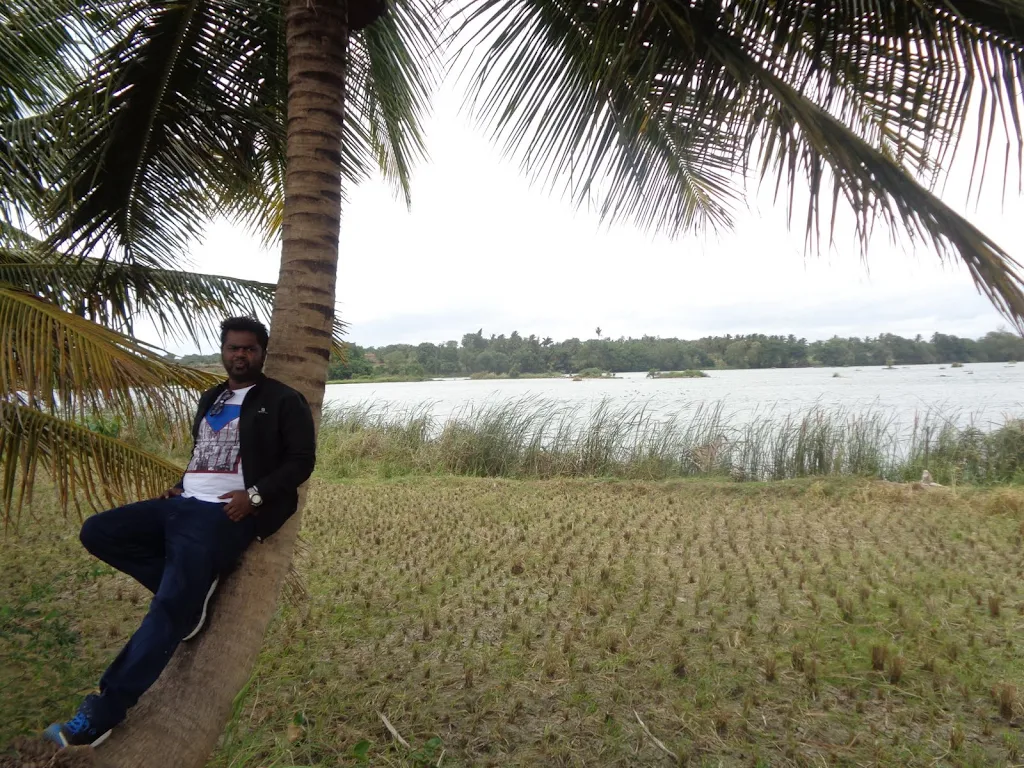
x: 545, y: 82
x: 62, y: 363
x: 804, y: 133
x: 250, y: 188
x: 873, y: 184
x: 45, y: 51
x: 40, y: 59
x: 183, y: 118
x: 82, y: 464
x: 182, y: 305
x: 26, y: 165
x: 393, y: 74
x: 861, y: 104
x: 164, y: 123
x: 903, y: 75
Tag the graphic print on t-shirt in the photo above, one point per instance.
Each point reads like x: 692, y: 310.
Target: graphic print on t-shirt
x: 216, y: 464
x: 217, y: 443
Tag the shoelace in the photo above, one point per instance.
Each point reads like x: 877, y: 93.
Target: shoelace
x: 78, y: 723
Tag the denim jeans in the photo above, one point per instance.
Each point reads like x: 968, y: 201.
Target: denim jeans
x: 175, y: 548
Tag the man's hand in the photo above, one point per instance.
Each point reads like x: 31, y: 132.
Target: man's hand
x: 170, y: 493
x: 238, y: 507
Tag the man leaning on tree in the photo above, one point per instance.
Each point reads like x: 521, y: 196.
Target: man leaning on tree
x: 253, y: 447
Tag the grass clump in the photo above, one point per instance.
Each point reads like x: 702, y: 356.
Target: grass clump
x: 594, y: 373
x: 687, y: 374
x: 514, y: 374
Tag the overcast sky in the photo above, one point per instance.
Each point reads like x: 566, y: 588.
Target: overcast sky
x: 481, y: 248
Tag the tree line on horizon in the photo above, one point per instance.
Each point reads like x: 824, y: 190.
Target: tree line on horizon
x: 516, y: 355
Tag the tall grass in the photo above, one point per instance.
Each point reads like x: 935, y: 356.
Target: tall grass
x: 533, y: 437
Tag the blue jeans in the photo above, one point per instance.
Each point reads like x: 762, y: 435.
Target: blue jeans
x: 175, y: 548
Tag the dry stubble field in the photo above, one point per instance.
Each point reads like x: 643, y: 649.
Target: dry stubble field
x: 585, y: 622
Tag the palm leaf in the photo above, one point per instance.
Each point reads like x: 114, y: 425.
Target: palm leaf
x: 26, y: 165
x: 391, y: 78
x: 544, y: 85
x: 903, y: 75
x: 874, y: 185
x: 81, y: 463
x: 183, y: 117
x: 114, y: 294
x: 44, y: 53
x: 166, y: 116
x: 392, y: 72
x: 40, y: 58
x: 866, y: 98
x: 64, y: 363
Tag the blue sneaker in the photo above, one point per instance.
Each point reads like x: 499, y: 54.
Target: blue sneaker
x: 88, y: 728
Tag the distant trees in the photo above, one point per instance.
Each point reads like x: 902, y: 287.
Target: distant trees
x: 516, y: 354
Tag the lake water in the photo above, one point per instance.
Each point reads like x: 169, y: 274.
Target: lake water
x: 984, y: 394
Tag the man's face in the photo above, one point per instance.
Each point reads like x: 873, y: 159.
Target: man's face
x: 242, y: 355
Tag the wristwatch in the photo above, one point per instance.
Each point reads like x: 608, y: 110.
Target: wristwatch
x: 254, y: 496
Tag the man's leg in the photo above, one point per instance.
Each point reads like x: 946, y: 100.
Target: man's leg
x: 201, y: 544
x: 131, y: 539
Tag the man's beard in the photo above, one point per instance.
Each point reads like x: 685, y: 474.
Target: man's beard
x: 243, y: 370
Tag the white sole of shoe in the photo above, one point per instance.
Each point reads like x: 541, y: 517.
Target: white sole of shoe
x: 101, y: 739
x: 202, y: 617
x: 64, y: 743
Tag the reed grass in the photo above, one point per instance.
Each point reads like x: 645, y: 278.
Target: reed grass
x: 531, y: 437
x: 534, y: 437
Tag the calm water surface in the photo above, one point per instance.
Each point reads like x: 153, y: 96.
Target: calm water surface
x: 983, y: 393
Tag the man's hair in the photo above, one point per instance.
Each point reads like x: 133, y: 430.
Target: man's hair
x: 249, y: 324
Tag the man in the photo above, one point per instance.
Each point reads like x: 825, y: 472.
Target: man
x: 253, y: 447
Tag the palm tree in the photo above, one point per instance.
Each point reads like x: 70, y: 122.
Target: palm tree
x: 647, y: 110
x: 176, y: 113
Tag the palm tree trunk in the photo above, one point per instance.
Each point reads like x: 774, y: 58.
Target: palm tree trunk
x: 178, y: 721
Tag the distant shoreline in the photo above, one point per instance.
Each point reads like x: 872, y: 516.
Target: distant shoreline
x: 419, y: 379
x: 660, y: 375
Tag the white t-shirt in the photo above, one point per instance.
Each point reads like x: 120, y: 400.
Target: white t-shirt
x: 216, y: 464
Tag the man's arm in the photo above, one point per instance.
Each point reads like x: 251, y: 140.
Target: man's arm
x: 299, y: 439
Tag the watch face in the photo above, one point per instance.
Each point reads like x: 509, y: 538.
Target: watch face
x: 256, y: 499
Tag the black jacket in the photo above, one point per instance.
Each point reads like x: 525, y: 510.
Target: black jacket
x: 277, y: 445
